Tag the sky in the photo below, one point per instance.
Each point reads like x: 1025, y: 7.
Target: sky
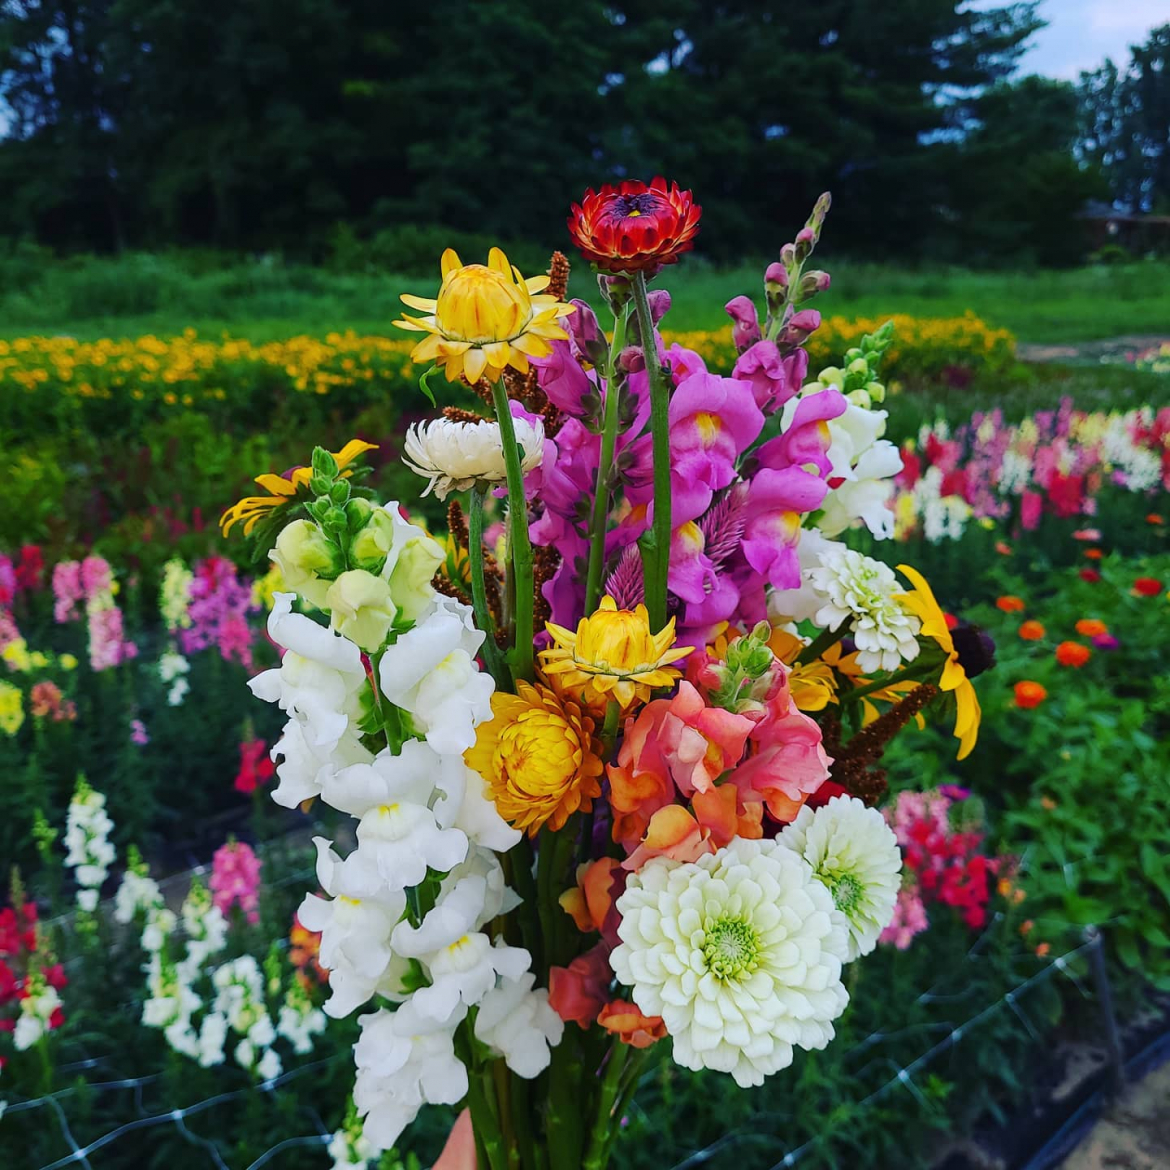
x: 1082, y: 33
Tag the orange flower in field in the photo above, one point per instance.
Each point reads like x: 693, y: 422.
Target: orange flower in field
x: 1029, y: 694
x: 1154, y: 518
x: 1031, y: 631
x: 1094, y: 554
x: 1047, y: 803
x: 1147, y: 587
x: 1072, y: 654
x: 1010, y: 603
x: 1043, y: 949
x: 1003, y: 548
x: 1091, y: 627
x: 1026, y: 927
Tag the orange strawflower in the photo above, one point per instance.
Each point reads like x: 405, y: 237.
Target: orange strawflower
x: 1031, y: 631
x: 1072, y: 654
x: 1029, y: 694
x: 1091, y: 627
x: 1009, y: 603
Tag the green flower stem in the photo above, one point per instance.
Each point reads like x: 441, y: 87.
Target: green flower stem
x: 820, y: 644
x: 655, y: 551
x: 633, y: 1074
x: 918, y: 671
x: 598, y: 523
x: 520, y: 549
x: 483, y: 616
x: 596, y: 1154
x: 518, y: 867
x: 609, y: 730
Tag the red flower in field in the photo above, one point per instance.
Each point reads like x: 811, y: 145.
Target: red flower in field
x: 255, y: 766
x: 1072, y: 654
x: 1010, y: 603
x: 1147, y: 587
x: 634, y: 227
x: 1090, y: 575
x: 1094, y: 554
x: 1155, y: 518
x: 1029, y: 694
x: 1031, y: 631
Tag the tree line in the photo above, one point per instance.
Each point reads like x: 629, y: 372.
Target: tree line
x: 264, y: 124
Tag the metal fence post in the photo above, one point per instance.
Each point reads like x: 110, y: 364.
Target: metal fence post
x: 1104, y: 991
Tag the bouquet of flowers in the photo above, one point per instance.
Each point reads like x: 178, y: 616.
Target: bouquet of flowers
x: 610, y: 747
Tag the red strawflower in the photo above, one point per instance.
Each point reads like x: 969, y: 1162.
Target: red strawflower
x: 1147, y: 587
x: 634, y: 227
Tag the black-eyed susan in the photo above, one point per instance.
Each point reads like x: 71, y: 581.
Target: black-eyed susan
x: 283, y: 489
x: 485, y: 318
x: 611, y: 655
x: 922, y: 603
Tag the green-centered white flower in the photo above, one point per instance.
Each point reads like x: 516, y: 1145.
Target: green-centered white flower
x: 855, y: 854
x: 740, y: 953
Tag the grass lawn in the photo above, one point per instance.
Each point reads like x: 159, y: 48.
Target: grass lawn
x: 263, y: 299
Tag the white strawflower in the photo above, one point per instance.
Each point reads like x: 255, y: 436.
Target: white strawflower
x: 855, y: 855
x: 452, y: 456
x: 740, y: 953
x: 862, y: 591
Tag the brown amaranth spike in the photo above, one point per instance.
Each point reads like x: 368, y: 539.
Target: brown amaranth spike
x: 458, y: 414
x: 545, y: 562
x: 448, y: 588
x: 558, y: 276
x: 852, y: 762
x: 483, y: 388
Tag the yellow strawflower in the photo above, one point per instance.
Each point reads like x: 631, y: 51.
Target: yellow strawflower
x: 538, y: 756
x: 485, y: 318
x: 612, y: 655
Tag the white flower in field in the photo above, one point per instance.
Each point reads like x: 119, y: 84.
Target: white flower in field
x: 459, y: 959
x: 518, y: 1022
x: 397, y: 833
x: 269, y: 1067
x: 453, y: 455
x: 859, y: 590
x: 740, y: 953
x: 404, y: 1061
x: 139, y: 893
x: 160, y: 925
x: 89, y: 851
x: 36, y: 1012
x: 206, y: 929
x: 355, y: 933
x: 350, y: 1151
x: 172, y: 669
x: 212, y: 1034
x: 431, y: 673
x: 854, y: 854
x: 245, y: 1054
x: 182, y: 1038
x: 299, y: 1021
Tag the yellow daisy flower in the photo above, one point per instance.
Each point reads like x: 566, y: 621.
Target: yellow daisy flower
x: 282, y: 489
x: 922, y: 603
x: 538, y: 756
x: 612, y: 655
x: 485, y: 318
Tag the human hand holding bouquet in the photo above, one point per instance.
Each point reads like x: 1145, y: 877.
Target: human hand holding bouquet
x: 615, y: 787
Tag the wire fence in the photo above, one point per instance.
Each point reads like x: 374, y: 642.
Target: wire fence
x: 902, y: 1077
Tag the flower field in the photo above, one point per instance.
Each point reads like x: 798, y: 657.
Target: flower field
x: 906, y: 681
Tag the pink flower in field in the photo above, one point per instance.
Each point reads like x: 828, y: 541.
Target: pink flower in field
x: 138, y: 733
x: 96, y: 577
x: 909, y: 919
x: 107, y: 648
x: 8, y: 583
x: 235, y: 878
x: 1031, y: 505
x: 745, y: 329
x: 220, y: 603
x: 67, y: 590
x: 1092, y: 535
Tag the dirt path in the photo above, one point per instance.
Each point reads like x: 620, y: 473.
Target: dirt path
x: 1090, y: 351
x: 1134, y: 1134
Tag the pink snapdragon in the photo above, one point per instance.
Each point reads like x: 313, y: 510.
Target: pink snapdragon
x: 220, y: 604
x: 235, y: 879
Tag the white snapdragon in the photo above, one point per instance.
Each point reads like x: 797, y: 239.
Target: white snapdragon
x: 36, y: 1013
x: 404, y: 1061
x: 205, y: 928
x: 90, y: 851
x: 298, y: 1020
x: 431, y: 673
x: 517, y: 1021
x: 173, y: 669
x: 239, y: 998
x: 853, y: 853
x: 863, y: 592
x: 739, y: 952
x: 138, y: 894
x: 350, y: 1150
x: 865, y: 464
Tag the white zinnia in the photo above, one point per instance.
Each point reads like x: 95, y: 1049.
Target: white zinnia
x: 452, y: 456
x: 740, y: 953
x: 862, y: 591
x: 855, y: 855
